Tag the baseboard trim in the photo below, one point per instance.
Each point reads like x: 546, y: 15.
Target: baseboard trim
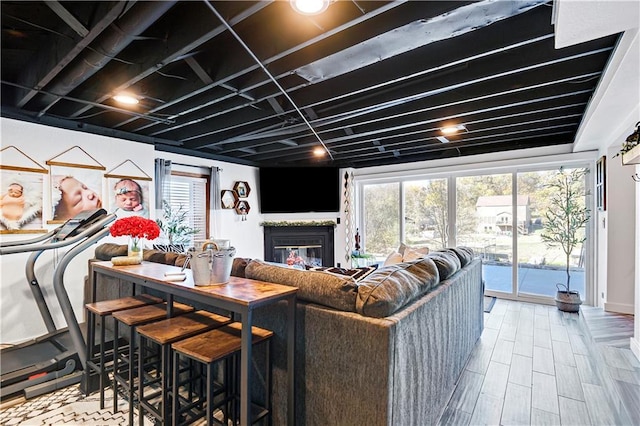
x: 635, y: 347
x: 619, y: 308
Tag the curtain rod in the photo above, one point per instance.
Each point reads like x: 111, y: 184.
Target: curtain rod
x: 191, y: 165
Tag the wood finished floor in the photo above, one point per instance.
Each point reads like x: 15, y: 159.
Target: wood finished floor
x: 535, y: 365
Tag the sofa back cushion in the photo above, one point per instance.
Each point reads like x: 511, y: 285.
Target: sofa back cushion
x: 446, y: 261
x: 324, y: 288
x: 391, y: 287
x: 465, y: 254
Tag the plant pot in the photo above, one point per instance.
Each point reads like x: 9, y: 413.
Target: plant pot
x: 568, y: 301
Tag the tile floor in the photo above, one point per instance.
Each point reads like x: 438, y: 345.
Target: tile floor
x: 533, y: 365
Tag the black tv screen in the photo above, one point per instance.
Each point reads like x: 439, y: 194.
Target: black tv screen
x: 299, y: 189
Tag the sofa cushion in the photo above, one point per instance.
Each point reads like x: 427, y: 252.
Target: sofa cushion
x: 392, y: 259
x: 391, y: 287
x: 158, y: 256
x: 413, y: 254
x: 106, y: 251
x: 446, y: 261
x: 355, y: 273
x: 238, y: 267
x: 335, y: 291
x: 465, y: 254
x: 405, y: 249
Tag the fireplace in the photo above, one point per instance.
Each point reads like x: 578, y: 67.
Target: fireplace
x: 313, y: 243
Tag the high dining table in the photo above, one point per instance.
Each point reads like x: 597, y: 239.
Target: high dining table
x: 239, y: 296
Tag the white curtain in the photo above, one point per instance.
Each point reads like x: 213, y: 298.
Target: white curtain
x: 215, y: 202
x: 161, y: 181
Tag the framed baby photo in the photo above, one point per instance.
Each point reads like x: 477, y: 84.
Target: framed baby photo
x: 21, y: 194
x: 73, y: 190
x: 128, y: 196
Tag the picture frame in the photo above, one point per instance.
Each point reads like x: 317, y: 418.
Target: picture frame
x: 128, y: 189
x: 128, y: 196
x: 21, y: 192
x: 242, y: 188
x: 75, y: 184
x: 242, y: 207
x: 601, y: 183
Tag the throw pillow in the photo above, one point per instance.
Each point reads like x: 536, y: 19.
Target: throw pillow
x: 390, y: 288
x: 335, y: 291
x: 411, y: 254
x: 403, y: 247
x: 355, y: 273
x: 392, y: 259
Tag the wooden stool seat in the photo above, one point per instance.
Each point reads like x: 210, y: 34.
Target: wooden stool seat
x: 125, y: 362
x: 149, y: 313
x: 216, y: 344
x: 223, y: 344
x: 100, y: 363
x: 178, y: 328
x: 108, y: 307
x: 164, y: 333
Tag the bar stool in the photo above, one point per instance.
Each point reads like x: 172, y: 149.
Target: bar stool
x: 164, y: 333
x: 210, y: 348
x: 101, y: 363
x: 133, y: 318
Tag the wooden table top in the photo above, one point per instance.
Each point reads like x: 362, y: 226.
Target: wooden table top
x: 238, y: 290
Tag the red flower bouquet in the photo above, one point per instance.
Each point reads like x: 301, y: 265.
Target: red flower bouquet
x: 135, y: 227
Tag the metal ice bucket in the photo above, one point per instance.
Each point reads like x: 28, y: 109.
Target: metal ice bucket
x: 210, y: 264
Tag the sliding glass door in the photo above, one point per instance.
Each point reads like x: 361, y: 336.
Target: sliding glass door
x: 500, y: 215
x: 484, y: 213
x: 540, y: 266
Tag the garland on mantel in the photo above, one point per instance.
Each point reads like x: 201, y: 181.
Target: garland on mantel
x: 301, y: 223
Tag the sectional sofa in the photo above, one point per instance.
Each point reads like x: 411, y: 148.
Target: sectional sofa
x: 385, y: 350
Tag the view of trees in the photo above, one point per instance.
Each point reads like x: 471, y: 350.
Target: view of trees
x: 425, y: 213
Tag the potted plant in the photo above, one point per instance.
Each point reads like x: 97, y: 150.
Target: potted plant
x: 564, y: 227
x: 174, y: 225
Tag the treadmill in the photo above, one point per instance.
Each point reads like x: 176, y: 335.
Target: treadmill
x: 56, y: 359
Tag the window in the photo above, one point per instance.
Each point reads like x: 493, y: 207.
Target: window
x: 499, y: 215
x: 191, y: 191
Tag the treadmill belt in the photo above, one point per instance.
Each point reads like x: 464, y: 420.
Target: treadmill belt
x: 27, y: 356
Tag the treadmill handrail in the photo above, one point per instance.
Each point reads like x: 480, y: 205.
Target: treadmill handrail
x: 63, y: 243
x: 37, y: 239
x: 63, y: 296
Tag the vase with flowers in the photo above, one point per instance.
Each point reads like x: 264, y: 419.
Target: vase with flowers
x: 138, y: 229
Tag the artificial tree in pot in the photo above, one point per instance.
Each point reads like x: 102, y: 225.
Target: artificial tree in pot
x: 564, y: 226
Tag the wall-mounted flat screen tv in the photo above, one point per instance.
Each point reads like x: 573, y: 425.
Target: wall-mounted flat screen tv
x: 299, y: 189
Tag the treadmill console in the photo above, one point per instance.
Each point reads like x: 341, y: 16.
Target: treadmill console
x: 76, y: 224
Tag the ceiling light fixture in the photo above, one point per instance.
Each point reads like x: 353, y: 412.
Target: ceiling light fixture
x: 319, y: 152
x: 442, y: 139
x: 309, y: 7
x: 126, y: 98
x: 450, y: 130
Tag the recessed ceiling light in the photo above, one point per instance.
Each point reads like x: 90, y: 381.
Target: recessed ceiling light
x: 310, y: 7
x: 449, y: 130
x: 319, y: 152
x: 126, y: 98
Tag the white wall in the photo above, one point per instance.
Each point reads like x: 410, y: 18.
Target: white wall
x: 19, y: 317
x: 619, y: 232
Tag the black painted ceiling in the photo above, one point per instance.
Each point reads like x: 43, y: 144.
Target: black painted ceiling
x: 372, y: 81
